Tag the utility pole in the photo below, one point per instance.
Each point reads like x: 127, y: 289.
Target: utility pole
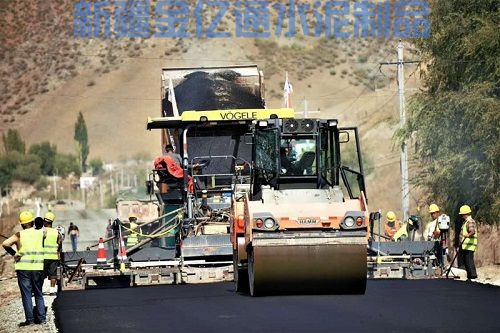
x: 111, y: 181
x: 1, y: 202
x: 69, y: 188
x: 405, y: 187
x: 55, y: 186
x: 101, y: 194
x: 84, y: 197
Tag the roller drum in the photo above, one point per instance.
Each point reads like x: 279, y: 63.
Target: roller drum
x: 323, y: 268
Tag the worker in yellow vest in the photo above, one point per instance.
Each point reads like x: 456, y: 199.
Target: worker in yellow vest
x: 469, y: 235
x: 29, y: 266
x: 52, y: 246
x: 132, y: 238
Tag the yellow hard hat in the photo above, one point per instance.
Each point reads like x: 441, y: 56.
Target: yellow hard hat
x: 465, y: 210
x: 132, y: 216
x: 26, y: 217
x: 49, y: 216
x: 433, y: 208
x: 391, y: 216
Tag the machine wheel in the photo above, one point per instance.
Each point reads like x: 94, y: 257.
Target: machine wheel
x: 240, y: 277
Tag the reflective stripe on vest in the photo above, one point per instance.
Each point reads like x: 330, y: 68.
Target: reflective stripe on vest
x: 50, y: 244
x: 470, y: 243
x: 31, y: 251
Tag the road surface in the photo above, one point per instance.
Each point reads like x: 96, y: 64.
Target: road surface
x: 91, y: 223
x: 388, y: 306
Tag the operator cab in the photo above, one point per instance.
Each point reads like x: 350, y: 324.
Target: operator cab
x: 305, y: 154
x: 298, y: 156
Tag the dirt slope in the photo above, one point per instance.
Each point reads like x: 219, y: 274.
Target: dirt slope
x: 115, y: 83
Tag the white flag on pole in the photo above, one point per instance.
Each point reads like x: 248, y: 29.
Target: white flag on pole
x: 287, y: 91
x: 171, y: 98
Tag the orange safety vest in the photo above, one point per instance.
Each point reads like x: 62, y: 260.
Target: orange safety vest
x: 174, y: 169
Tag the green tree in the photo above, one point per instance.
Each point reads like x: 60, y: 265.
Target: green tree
x: 5, y: 172
x: 17, y: 166
x: 82, y: 141
x: 12, y: 141
x: 96, y: 165
x: 67, y: 164
x: 456, y: 120
x: 28, y: 171
x: 47, y: 154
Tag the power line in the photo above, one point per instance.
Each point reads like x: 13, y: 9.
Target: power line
x: 348, y: 97
x: 386, y: 102
x: 138, y: 57
x: 159, y: 99
x: 104, y: 97
x: 110, y: 54
x: 381, y: 165
x: 104, y: 55
x: 362, y: 91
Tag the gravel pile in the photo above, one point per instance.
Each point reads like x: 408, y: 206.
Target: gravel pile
x: 217, y: 91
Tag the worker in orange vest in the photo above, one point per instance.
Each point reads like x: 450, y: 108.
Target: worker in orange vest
x: 392, y: 225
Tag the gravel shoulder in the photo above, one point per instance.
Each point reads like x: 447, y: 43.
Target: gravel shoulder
x: 92, y: 224
x: 12, y: 313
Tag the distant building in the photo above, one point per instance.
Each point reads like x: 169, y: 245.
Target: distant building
x: 87, y: 182
x: 109, y: 167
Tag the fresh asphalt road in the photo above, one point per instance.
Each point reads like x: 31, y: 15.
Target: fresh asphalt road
x: 388, y: 306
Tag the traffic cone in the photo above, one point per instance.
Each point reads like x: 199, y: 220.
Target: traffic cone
x: 122, y: 255
x: 101, y: 253
x: 122, y: 252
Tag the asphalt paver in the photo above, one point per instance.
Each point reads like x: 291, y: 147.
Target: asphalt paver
x: 387, y: 306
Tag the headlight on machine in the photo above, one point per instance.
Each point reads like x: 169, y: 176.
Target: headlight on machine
x: 349, y: 222
x: 269, y: 223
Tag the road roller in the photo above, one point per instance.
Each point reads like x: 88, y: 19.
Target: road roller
x: 302, y: 226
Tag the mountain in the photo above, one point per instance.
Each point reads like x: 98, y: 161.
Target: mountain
x: 49, y: 76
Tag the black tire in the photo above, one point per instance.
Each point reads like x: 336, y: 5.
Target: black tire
x: 241, y: 283
x: 240, y: 277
